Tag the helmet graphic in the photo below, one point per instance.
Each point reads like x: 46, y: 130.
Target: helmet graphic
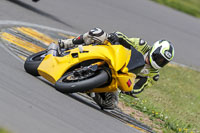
x: 161, y: 53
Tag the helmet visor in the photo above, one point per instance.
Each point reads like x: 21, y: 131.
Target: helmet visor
x: 159, y: 59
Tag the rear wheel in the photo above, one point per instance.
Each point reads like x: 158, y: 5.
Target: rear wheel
x: 32, y: 62
x: 81, y: 81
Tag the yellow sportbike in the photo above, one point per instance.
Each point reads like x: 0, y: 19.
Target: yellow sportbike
x: 92, y: 68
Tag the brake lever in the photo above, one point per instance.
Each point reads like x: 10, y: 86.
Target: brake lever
x: 59, y: 51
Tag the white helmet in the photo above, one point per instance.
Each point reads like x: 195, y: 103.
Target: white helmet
x: 161, y: 53
x: 96, y: 35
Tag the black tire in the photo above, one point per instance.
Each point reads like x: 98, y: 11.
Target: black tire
x: 101, y: 78
x: 32, y: 62
x: 35, y: 0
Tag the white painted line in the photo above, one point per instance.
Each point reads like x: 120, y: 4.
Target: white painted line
x: 182, y: 65
x: 18, y: 23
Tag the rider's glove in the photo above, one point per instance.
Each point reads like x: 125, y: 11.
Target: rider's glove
x: 66, y: 44
x: 113, y: 38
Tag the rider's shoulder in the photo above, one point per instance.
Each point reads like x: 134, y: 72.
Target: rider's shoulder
x: 138, y: 41
x: 142, y: 42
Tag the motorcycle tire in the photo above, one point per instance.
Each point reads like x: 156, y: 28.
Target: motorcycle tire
x: 32, y: 62
x: 101, y: 77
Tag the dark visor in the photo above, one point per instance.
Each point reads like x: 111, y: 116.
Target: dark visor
x: 158, y: 58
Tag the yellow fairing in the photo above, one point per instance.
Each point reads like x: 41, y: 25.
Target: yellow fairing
x: 52, y: 68
x: 120, y: 81
x: 116, y: 56
x: 126, y: 81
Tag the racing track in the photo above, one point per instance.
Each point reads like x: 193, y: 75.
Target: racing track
x: 35, y: 106
x: 29, y: 105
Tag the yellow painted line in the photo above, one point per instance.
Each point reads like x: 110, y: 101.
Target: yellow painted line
x: 136, y: 127
x: 22, y: 57
x: 67, y: 36
x: 36, y: 34
x: 21, y: 43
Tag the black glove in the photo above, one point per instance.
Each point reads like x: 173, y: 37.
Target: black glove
x: 113, y: 38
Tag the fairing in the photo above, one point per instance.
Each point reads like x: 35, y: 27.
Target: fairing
x: 116, y: 56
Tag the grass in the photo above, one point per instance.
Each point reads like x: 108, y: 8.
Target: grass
x: 191, y: 7
x: 175, y: 100
x: 3, y: 131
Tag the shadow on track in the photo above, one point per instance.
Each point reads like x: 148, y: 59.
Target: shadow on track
x: 40, y: 12
x: 74, y: 96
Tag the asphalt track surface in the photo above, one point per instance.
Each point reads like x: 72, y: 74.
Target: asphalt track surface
x: 29, y: 105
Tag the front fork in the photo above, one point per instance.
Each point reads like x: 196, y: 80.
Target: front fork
x: 53, y: 49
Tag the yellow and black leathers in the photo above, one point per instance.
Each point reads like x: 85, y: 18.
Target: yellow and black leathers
x: 148, y: 75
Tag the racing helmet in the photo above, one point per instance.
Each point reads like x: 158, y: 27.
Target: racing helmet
x: 161, y: 53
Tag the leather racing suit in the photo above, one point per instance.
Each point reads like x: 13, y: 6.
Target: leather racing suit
x: 148, y: 75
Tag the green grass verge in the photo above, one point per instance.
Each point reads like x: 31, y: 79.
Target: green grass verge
x: 175, y: 100
x: 3, y: 131
x: 191, y: 7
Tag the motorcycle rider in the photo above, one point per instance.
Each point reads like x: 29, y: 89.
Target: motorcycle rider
x: 156, y: 57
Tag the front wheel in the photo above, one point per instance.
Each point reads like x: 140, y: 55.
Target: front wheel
x: 33, y: 61
x: 72, y: 82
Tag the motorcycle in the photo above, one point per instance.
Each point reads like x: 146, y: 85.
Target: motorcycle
x: 88, y: 69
